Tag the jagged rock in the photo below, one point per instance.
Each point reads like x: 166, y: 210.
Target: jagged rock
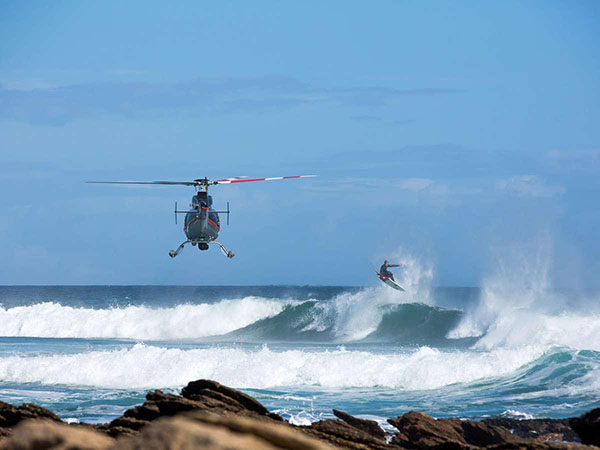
x: 157, y: 404
x: 204, y: 395
x: 169, y: 404
x: 148, y: 411
x: 539, y: 429
x: 11, y: 415
x: 204, y: 430
x: 342, y: 434
x: 587, y: 426
x: 196, y: 390
x: 418, y: 430
x: 532, y: 444
x: 128, y: 422
x: 44, y: 434
x: 368, y: 426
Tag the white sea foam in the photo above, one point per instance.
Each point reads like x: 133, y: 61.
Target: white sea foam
x: 144, y: 366
x: 184, y: 321
x: 514, y: 414
x: 353, y: 316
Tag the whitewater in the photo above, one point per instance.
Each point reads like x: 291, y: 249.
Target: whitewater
x: 90, y: 352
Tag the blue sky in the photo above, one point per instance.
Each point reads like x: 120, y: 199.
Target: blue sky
x: 452, y: 131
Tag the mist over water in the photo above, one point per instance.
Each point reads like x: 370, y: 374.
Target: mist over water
x: 518, y: 306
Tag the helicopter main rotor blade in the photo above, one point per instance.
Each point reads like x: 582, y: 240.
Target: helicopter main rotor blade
x: 224, y: 180
x: 203, y: 181
x: 243, y: 180
x: 182, y: 183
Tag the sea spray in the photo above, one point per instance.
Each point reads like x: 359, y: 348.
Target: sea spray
x: 415, y: 275
x: 518, y: 282
x: 354, y: 316
x: 519, y: 307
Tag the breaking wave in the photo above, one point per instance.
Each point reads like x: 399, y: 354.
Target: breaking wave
x: 372, y: 315
x: 154, y: 366
x: 369, y: 315
x: 186, y: 321
x: 421, y: 369
x: 409, y: 323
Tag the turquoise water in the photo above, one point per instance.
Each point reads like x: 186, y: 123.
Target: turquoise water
x: 90, y: 352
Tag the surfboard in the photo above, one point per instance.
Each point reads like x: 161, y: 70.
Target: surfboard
x: 391, y: 283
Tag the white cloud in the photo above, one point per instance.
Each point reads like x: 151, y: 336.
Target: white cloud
x: 529, y: 186
x: 414, y: 184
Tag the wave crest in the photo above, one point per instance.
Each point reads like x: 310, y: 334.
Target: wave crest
x: 153, y: 366
x: 186, y: 321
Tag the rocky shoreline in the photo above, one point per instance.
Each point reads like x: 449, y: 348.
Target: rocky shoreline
x: 212, y: 416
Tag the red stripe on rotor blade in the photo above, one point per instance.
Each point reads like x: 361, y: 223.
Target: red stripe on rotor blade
x: 245, y: 181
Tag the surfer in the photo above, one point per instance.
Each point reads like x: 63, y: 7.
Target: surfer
x: 383, y: 270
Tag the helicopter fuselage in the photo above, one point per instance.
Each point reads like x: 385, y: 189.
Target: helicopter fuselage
x: 201, y: 223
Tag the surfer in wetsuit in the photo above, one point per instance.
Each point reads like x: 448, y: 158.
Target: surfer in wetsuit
x: 383, y: 270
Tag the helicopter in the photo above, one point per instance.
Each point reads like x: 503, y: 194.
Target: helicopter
x: 201, y: 223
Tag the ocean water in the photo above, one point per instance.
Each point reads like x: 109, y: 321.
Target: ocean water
x: 90, y: 352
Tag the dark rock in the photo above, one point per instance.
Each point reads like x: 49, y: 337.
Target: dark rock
x: 587, y: 427
x: 342, y: 434
x: 418, y: 430
x: 11, y: 415
x: 540, y: 429
x: 539, y: 445
x: 118, y: 431
x: 197, y: 389
x: 128, y: 422
x: 169, y: 404
x: 368, y: 426
x: 148, y: 411
x: 203, y: 395
x: 483, y: 435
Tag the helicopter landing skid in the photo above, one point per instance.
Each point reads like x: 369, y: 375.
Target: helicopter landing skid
x: 229, y: 253
x: 174, y: 253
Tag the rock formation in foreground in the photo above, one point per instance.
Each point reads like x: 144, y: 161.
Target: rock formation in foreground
x: 208, y: 415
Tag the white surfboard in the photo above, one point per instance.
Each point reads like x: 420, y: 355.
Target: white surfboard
x: 391, y: 283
